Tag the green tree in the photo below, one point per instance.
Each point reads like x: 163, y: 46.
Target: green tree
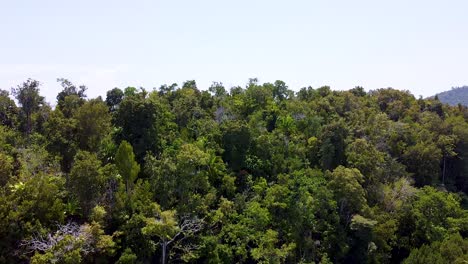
x: 447, y: 145
x: 30, y: 101
x: 435, y: 214
x: 145, y: 122
x: 86, y: 182
x: 127, y: 257
x: 332, y: 151
x: 218, y: 90
x: 70, y: 89
x: 114, y: 98
x: 236, y: 139
x: 454, y: 249
x: 181, y: 179
x: 281, y: 91
x: 28, y: 207
x: 126, y: 164
x: 93, y: 124
x: 346, y: 186
x: 166, y: 227
x: 62, y: 138
x: 423, y: 159
x: 8, y: 110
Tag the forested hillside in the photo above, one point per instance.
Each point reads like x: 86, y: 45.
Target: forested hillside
x: 254, y: 174
x: 458, y: 95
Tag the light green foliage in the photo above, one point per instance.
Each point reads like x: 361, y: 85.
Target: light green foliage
x: 346, y: 185
x: 360, y: 222
x: 286, y: 123
x: 28, y: 207
x: 454, y: 249
x: 97, y: 214
x: 66, y: 251
x: 127, y: 165
x: 267, y: 252
x: 366, y: 158
x: 72, y: 243
x: 127, y: 257
x: 181, y: 179
x: 165, y: 227
x: 169, y: 231
x: 396, y: 195
x: 436, y: 214
x: 131, y: 212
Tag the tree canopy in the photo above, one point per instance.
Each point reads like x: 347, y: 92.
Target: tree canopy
x: 253, y: 174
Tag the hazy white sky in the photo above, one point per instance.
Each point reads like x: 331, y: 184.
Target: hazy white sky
x: 417, y: 45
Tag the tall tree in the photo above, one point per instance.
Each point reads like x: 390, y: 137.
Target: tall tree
x: 30, y: 101
x: 86, y: 182
x: 70, y: 89
x: 169, y: 231
x: 126, y: 164
x: 332, y: 151
x: 145, y: 122
x: 346, y: 185
x: 113, y: 98
x: 93, y: 124
x: 62, y: 138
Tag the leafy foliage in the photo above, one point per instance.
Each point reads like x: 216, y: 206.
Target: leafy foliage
x: 256, y: 174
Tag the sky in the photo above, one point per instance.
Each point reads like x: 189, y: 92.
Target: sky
x: 416, y: 45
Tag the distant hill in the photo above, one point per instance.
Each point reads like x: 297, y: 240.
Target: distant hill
x: 455, y: 96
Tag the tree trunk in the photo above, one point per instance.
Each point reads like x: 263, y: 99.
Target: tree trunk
x: 443, y: 173
x: 28, y: 126
x: 163, y: 254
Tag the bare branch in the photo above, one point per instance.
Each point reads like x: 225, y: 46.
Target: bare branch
x: 43, y: 243
x: 188, y: 227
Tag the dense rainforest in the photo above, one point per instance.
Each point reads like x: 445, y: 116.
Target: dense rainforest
x: 254, y: 174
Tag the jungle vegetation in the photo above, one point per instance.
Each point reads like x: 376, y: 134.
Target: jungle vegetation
x: 252, y: 174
